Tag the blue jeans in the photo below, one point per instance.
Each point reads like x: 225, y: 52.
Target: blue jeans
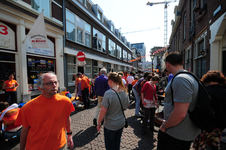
x: 167, y: 142
x: 137, y: 109
x: 112, y: 139
x: 10, y: 97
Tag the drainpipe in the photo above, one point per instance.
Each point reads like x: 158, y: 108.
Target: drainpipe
x: 64, y: 38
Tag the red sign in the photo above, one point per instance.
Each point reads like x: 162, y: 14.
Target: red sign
x: 81, y: 56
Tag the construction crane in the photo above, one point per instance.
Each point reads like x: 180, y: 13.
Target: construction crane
x: 165, y: 17
x: 141, y: 30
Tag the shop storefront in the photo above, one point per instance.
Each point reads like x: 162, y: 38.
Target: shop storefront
x: 26, y: 63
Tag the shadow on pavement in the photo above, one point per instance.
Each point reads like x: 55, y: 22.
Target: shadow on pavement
x: 147, y: 139
x: 84, y: 137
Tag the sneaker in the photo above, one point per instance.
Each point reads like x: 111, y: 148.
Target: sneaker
x: 95, y: 122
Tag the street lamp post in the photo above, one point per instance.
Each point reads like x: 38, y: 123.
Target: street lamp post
x: 152, y: 58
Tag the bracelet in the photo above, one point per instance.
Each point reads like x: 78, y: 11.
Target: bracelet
x: 69, y: 133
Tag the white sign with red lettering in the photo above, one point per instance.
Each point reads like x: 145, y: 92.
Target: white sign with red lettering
x: 7, y: 37
x: 41, y: 51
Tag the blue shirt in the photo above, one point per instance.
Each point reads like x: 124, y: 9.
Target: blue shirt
x: 138, y: 84
x: 170, y: 77
x: 101, y: 85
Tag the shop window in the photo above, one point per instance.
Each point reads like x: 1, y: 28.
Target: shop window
x: 39, y: 5
x: 99, y: 41
x: 129, y: 57
x: 111, y: 47
x: 88, y: 68
x: 37, y: 66
x: 188, y: 60
x: 82, y: 29
x: 71, y: 70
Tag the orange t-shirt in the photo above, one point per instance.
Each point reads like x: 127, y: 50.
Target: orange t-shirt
x: 9, y: 83
x: 134, y: 82
x: 77, y: 80
x: 47, y: 119
x: 84, y: 82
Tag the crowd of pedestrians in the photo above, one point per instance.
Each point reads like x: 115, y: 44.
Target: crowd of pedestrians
x: 44, y: 120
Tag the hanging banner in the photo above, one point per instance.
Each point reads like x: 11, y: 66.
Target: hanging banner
x: 37, y: 34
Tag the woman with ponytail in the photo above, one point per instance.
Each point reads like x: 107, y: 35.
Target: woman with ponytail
x: 111, y: 111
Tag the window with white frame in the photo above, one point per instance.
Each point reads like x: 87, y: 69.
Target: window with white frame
x: 199, y: 58
x: 119, y: 52
x: 111, y: 47
x: 99, y: 41
x: 99, y: 15
x: 71, y: 69
x: 77, y: 30
x: 184, y: 26
x: 125, y: 56
x: 112, y: 28
x: 95, y: 68
x: 193, y: 4
x: 129, y: 57
x: 39, y: 5
x: 88, y: 68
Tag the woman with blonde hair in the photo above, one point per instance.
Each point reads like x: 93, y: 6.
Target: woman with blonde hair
x: 114, y: 100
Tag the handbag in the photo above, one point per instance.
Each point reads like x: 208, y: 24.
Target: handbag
x: 126, y: 123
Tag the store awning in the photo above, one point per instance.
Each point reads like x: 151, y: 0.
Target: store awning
x: 95, y: 57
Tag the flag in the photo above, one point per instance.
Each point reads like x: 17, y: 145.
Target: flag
x: 37, y: 34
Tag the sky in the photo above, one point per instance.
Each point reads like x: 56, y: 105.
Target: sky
x: 136, y: 15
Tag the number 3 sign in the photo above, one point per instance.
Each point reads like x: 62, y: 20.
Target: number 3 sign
x: 7, y: 37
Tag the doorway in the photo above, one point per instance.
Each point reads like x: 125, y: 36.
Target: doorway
x: 81, y: 69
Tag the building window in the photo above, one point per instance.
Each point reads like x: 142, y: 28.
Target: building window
x: 95, y: 68
x: 71, y: 70
x: 119, y: 52
x: 39, y: 5
x: 184, y: 26
x: 193, y: 4
x: 112, y: 28
x: 99, y: 15
x: 125, y: 56
x: 129, y: 57
x: 82, y: 29
x: 88, y: 68
x: 203, y: 3
x: 99, y: 41
x: 188, y: 60
x: 111, y: 47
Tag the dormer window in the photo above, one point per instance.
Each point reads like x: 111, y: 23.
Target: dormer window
x: 99, y: 15
x: 112, y: 28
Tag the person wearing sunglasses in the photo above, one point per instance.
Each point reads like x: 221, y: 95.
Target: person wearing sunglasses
x: 46, y: 117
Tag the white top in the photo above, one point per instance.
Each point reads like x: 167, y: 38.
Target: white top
x: 124, y: 81
x: 130, y: 79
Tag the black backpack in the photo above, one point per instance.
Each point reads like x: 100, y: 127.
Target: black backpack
x: 203, y: 115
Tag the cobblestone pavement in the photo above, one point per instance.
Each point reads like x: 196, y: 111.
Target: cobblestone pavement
x: 85, y: 135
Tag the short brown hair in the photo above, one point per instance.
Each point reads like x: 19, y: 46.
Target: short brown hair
x: 174, y: 58
x: 155, y: 78
x: 214, y: 76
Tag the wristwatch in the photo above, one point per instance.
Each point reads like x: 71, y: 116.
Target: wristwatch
x: 70, y: 133
x: 99, y: 124
x: 164, y: 126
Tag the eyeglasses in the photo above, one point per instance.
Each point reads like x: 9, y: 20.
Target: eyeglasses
x: 50, y: 83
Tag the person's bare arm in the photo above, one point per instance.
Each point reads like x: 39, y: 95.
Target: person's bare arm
x: 23, y: 137
x: 178, y: 114
x: 103, y: 112
x: 69, y: 137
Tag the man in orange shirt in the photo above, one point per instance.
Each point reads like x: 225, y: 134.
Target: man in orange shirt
x: 46, y: 118
x: 10, y: 87
x: 85, y: 89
